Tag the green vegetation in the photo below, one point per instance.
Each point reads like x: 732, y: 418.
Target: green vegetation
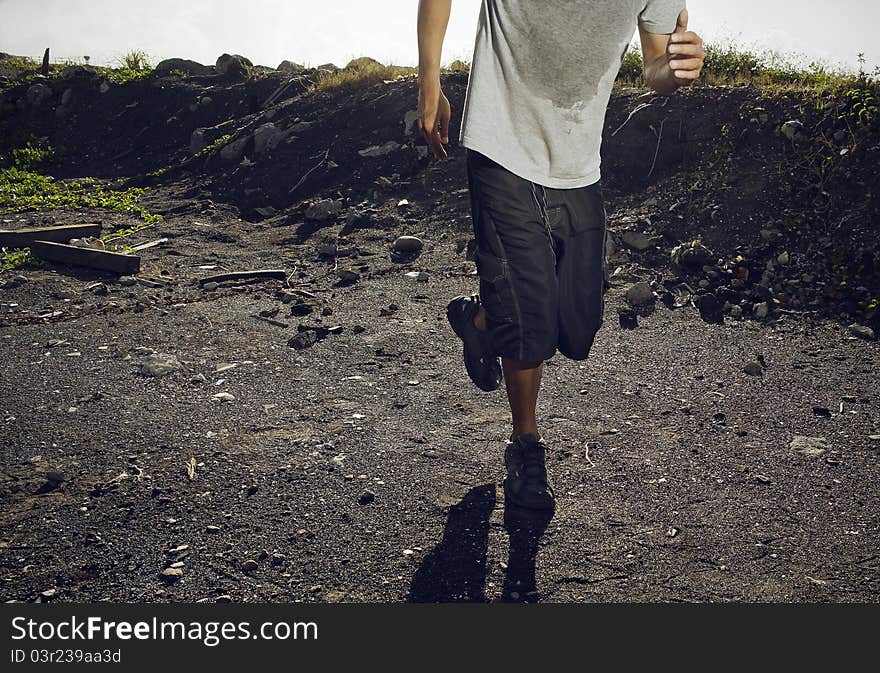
x: 220, y: 142
x: 729, y: 64
x: 135, y: 60
x: 22, y: 188
x: 131, y: 66
x: 361, y: 74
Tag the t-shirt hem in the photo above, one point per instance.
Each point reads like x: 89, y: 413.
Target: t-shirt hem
x: 527, y: 173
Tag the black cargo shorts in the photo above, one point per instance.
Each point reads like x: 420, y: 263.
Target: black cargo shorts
x: 540, y: 254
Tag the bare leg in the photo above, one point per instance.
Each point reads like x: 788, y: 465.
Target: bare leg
x: 523, y: 381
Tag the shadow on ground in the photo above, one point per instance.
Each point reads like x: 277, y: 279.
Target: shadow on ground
x: 455, y: 570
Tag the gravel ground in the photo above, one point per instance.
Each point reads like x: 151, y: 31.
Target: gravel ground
x: 367, y: 467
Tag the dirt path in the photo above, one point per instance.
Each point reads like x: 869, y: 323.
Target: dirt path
x: 367, y: 467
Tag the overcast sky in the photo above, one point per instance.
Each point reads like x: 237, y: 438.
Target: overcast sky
x: 313, y: 32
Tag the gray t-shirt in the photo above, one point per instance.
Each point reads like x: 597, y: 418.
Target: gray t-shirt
x: 541, y: 78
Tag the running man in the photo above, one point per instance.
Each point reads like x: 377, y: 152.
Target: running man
x: 538, y: 89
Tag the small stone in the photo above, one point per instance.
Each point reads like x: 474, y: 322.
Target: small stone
x: 212, y: 529
x: 636, y: 240
x: 639, y: 293
x: 753, y: 368
x: 710, y: 308
x: 323, y: 209
x: 348, y: 276
x: 210, y: 286
x: 408, y: 244
x: 48, y: 593
x: 303, y: 339
x: 127, y: 280
x: 224, y: 397
x: 171, y: 575
x: 761, y: 309
x: 812, y: 447
x: 783, y: 258
x: 628, y: 318
x: 792, y: 129
x: 366, y: 498
x: 249, y: 566
x: 160, y: 364
x: 861, y: 331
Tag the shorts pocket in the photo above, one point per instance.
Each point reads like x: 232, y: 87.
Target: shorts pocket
x: 496, y: 291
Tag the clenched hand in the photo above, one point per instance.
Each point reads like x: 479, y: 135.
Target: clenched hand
x: 685, y: 52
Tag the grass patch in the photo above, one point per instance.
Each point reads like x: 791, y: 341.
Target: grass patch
x: 358, y: 74
x: 220, y: 142
x: 22, y: 189
x: 22, y: 70
x: 728, y: 64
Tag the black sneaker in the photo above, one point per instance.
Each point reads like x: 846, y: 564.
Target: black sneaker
x: 482, y: 366
x: 526, y: 484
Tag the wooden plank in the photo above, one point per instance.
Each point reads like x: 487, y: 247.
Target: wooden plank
x: 151, y: 244
x: 238, y: 275
x: 102, y: 260
x: 22, y: 238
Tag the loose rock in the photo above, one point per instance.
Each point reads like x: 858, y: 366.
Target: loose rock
x: 408, y: 244
x: 753, y: 368
x: 171, y: 575
x: 862, y: 331
x: 323, y: 209
x: 160, y: 364
x: 639, y: 293
x: 812, y: 447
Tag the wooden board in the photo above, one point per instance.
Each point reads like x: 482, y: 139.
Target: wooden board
x: 22, y: 238
x: 96, y: 259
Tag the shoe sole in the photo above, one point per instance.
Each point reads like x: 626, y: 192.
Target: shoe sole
x: 469, y: 349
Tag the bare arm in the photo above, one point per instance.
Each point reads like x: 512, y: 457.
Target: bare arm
x: 434, y: 109
x: 671, y: 60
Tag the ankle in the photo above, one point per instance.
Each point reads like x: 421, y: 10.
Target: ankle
x: 526, y: 429
x: 480, y: 319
